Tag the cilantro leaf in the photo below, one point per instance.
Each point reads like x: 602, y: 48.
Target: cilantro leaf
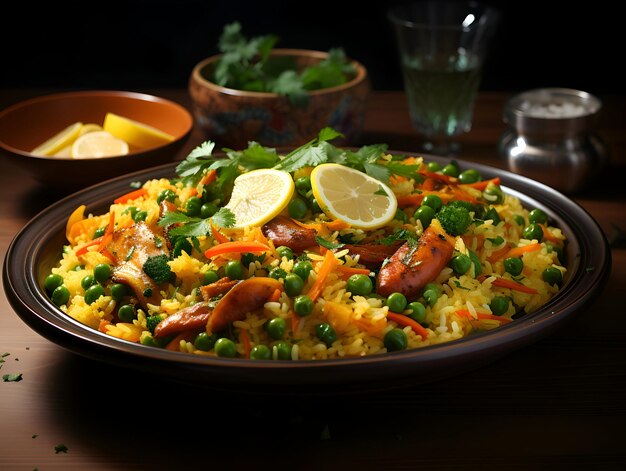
x: 224, y: 218
x: 327, y: 244
x: 312, y: 153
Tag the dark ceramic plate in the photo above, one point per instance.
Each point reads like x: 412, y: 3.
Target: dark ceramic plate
x: 36, y: 248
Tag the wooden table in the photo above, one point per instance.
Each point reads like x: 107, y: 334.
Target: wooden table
x: 557, y: 404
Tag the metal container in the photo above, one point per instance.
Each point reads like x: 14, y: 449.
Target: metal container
x: 551, y: 137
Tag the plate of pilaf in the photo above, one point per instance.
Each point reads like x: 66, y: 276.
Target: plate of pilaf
x: 319, y: 266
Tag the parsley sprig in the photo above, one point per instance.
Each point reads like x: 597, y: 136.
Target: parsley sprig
x: 245, y: 64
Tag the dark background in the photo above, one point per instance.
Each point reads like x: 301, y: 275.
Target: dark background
x: 147, y: 44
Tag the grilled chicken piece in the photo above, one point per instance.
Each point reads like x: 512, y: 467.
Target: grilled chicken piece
x: 416, y: 264
x: 133, y: 246
x: 221, y: 286
x: 283, y: 231
x: 190, y: 318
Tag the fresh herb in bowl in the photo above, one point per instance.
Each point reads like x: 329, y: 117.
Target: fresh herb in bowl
x: 246, y: 64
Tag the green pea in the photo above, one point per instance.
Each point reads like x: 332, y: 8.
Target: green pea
x: 425, y: 215
x: 225, y: 347
x: 293, y: 285
x: 396, y: 302
x: 276, y: 328
x: 297, y: 208
x: 551, y: 247
x: 166, y: 195
x: 513, y: 265
x: 314, y: 206
x: 204, y: 341
x: 303, y: 269
x: 118, y: 291
x: 450, y: 170
x: 552, y: 276
x: 470, y: 176
x: 461, y: 263
x: 537, y: 216
x: 93, y: 293
x: 303, y: 185
x: 140, y: 216
x: 303, y: 305
x: 99, y: 232
x: 431, y: 293
x: 395, y: 340
x: 193, y: 206
x: 277, y: 273
x: 401, y: 216
x: 52, y: 281
x: 284, y: 251
x: 234, y: 270
x: 87, y: 281
x: 260, y: 352
x: 281, y: 350
x: 433, y: 201
x: 433, y: 167
x: 326, y: 333
x: 519, y: 220
x: 499, y: 305
x: 207, y: 210
x: 533, y: 231
x: 211, y: 276
x: 418, y: 311
x: 148, y: 341
x: 60, y: 295
x: 126, y: 313
x: 102, y: 272
x: 359, y: 285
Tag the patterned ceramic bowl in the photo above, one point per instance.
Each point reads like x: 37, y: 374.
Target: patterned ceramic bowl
x: 232, y: 118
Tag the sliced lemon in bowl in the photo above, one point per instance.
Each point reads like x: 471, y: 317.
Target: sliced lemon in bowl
x: 352, y: 196
x: 135, y: 133
x: 260, y: 195
x: 98, y: 144
x: 60, y: 140
x: 90, y: 127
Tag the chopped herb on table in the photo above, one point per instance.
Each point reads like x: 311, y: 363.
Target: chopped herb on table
x: 12, y: 377
x: 60, y: 448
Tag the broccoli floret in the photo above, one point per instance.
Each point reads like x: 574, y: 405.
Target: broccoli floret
x: 157, y: 268
x: 153, y: 321
x: 454, y: 218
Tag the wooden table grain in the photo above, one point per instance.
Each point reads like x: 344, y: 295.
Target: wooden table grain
x: 559, y: 403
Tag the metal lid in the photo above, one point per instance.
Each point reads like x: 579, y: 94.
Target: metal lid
x: 552, y: 112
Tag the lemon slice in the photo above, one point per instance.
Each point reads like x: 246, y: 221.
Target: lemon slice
x: 60, y: 140
x: 98, y: 144
x: 353, y: 196
x: 135, y: 133
x: 260, y: 195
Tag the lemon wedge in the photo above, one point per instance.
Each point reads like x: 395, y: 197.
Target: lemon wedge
x: 98, y: 144
x: 136, y: 134
x: 60, y: 140
x: 260, y: 195
x: 90, y: 127
x: 353, y: 196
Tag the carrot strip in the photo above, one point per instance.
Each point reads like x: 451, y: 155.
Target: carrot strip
x: 498, y: 254
x: 275, y: 295
x: 403, y: 320
x: 295, y: 322
x: 462, y: 195
x: 439, y: 177
x: 102, y: 325
x: 132, y: 195
x: 337, y: 225
x: 547, y: 235
x: 482, y: 315
x: 414, y: 199
x: 519, y: 251
x: 482, y: 184
x: 217, y: 235
x: 245, y: 340
x: 236, y: 247
x: 504, y: 283
x: 327, y: 266
x: 108, y: 232
x: 208, y: 177
x: 83, y: 249
x: 109, y: 255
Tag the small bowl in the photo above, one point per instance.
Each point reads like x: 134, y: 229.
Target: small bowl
x: 233, y: 117
x: 27, y: 124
